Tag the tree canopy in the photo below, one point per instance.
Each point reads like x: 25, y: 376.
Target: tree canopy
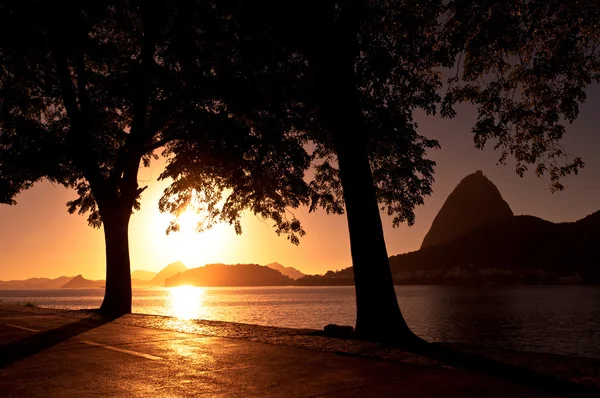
x: 90, y: 91
x: 245, y: 98
x: 525, y: 65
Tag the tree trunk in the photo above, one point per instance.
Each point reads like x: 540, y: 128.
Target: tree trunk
x: 117, y: 295
x: 378, y: 314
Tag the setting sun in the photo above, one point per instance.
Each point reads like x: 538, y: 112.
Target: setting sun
x: 188, y: 220
x: 189, y: 245
x: 186, y: 301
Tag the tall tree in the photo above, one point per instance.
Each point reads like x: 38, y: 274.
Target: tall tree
x: 90, y: 91
x: 374, y: 63
x: 368, y: 151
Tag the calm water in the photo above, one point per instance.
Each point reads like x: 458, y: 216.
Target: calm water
x: 563, y: 320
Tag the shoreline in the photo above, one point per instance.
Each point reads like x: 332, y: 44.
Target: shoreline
x: 573, y: 371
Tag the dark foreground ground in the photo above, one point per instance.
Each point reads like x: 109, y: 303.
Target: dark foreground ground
x: 70, y: 353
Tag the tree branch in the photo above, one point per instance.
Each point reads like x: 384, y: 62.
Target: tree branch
x: 139, y: 134
x: 78, y: 133
x: 157, y: 144
x: 82, y: 83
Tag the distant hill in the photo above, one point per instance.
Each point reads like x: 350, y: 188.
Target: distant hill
x: 35, y: 283
x: 167, y: 272
x: 287, y: 271
x: 475, y: 202
x: 53, y: 283
x: 80, y: 282
x: 519, y: 249
x: 230, y: 275
x: 476, y: 239
x: 344, y: 277
x: 142, y: 275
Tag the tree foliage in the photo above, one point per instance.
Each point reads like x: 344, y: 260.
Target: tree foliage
x: 525, y: 65
x: 246, y: 97
x: 272, y: 52
x: 92, y: 90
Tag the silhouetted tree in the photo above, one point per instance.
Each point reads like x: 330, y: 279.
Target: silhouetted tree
x: 337, y: 64
x: 234, y: 91
x: 525, y: 64
x: 88, y: 92
x: 328, y: 71
x: 371, y: 65
x: 375, y: 62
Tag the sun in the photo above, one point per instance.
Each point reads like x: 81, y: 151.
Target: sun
x: 185, y: 302
x: 197, y: 248
x: 188, y: 220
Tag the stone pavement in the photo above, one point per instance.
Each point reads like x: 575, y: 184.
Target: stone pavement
x: 52, y: 355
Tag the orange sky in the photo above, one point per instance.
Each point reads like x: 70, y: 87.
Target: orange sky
x: 39, y: 238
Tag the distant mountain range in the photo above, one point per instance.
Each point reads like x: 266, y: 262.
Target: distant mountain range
x: 519, y: 249
x: 139, y: 278
x: 79, y: 282
x: 168, y: 272
x: 230, y: 275
x: 143, y: 276
x: 475, y: 239
x: 287, y: 271
x: 35, y: 283
x: 209, y: 275
x: 468, y: 244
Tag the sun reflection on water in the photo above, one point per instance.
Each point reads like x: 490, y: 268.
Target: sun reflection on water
x: 186, y: 302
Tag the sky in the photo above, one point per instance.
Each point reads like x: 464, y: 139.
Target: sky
x: 38, y: 238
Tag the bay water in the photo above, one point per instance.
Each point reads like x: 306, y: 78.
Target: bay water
x: 551, y: 319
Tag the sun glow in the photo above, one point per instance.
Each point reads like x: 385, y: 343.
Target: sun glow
x: 188, y: 220
x: 196, y: 248
x: 186, y: 302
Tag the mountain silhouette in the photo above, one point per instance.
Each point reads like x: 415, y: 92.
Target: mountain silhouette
x: 230, y: 275
x: 515, y: 251
x: 519, y: 249
x: 142, y: 275
x: 474, y: 202
x: 80, y: 282
x: 476, y: 239
x: 287, y: 271
x: 36, y: 283
x: 167, y: 272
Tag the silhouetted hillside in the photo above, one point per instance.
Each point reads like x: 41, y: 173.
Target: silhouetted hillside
x: 230, y: 275
x: 142, y: 275
x: 517, y: 250
x: 35, y: 283
x: 287, y: 271
x: 474, y: 202
x: 344, y: 277
x: 167, y: 272
x: 520, y: 249
x: 80, y: 282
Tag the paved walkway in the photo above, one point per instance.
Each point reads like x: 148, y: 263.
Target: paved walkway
x: 50, y: 355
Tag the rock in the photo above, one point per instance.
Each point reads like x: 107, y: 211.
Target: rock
x: 475, y: 202
x: 340, y: 331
